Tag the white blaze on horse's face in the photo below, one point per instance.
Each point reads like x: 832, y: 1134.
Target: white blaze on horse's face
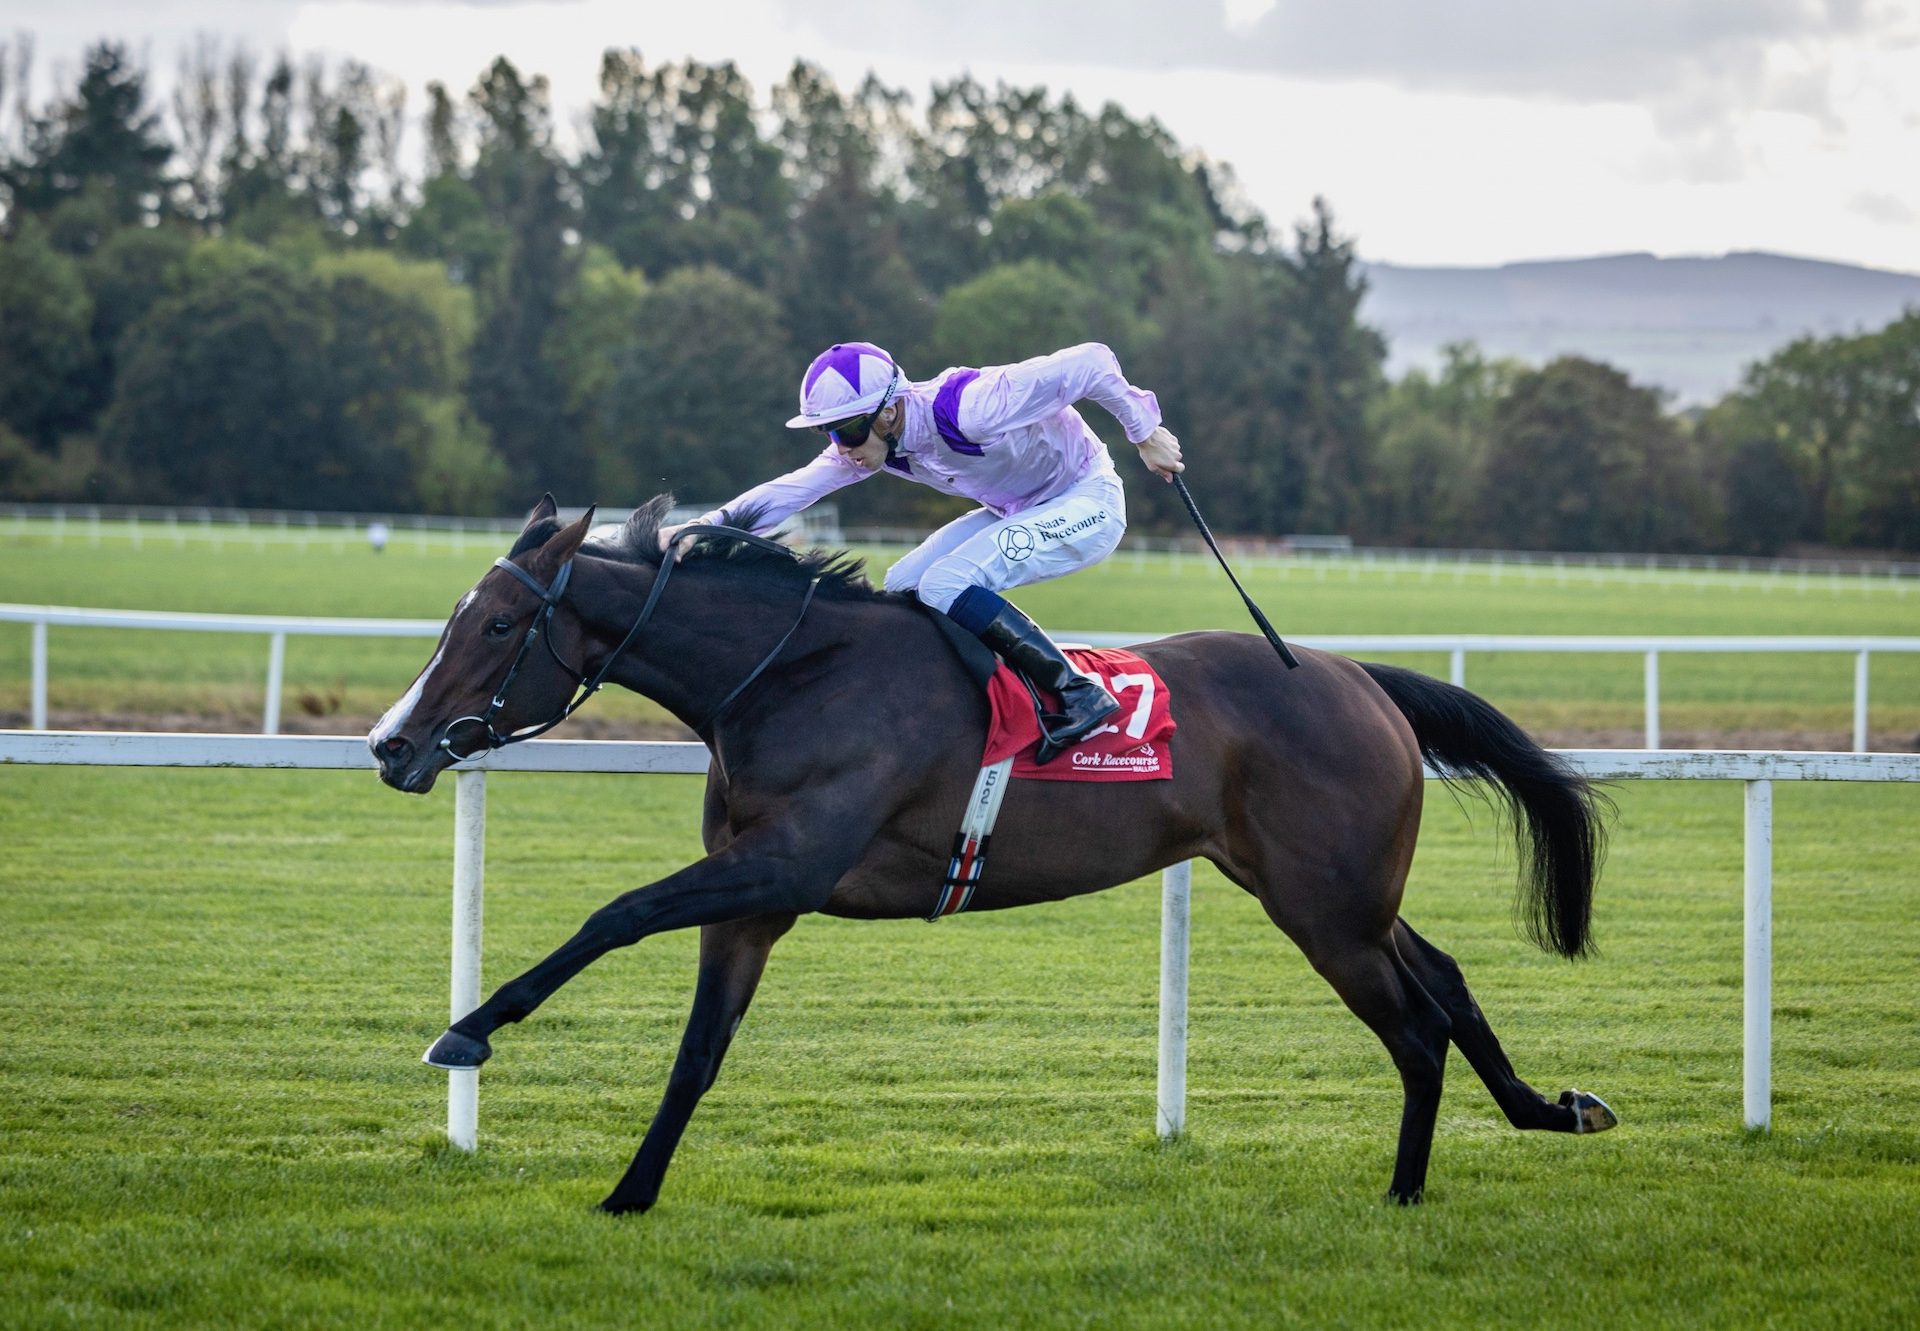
x: 401, y: 712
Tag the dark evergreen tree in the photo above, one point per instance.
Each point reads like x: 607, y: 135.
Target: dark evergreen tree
x: 101, y: 139
x: 1340, y: 369
x: 520, y: 183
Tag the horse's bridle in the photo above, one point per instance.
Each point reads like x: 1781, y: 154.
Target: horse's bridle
x: 550, y: 595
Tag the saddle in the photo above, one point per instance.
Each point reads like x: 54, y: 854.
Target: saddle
x: 1131, y: 747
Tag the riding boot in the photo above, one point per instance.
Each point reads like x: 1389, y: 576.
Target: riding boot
x: 1084, y: 703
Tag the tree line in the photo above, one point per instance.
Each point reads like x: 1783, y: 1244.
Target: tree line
x: 249, y: 297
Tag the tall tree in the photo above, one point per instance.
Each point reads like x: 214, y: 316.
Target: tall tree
x: 198, y: 106
x: 1890, y: 441
x: 1761, y: 497
x: 399, y: 340
x: 1340, y: 370
x: 133, y: 271
x: 700, y: 384
x: 677, y: 172
x: 1583, y: 459
x: 1226, y: 369
x: 519, y: 180
x: 221, y: 397
x: 260, y: 188
x: 45, y: 317
x: 102, y: 137
x: 1842, y: 416
x: 1013, y: 311
x: 1816, y: 391
x: 1434, y: 433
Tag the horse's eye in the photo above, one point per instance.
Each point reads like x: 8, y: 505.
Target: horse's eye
x: 499, y: 628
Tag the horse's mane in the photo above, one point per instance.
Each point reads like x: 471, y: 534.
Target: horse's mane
x: 842, y: 576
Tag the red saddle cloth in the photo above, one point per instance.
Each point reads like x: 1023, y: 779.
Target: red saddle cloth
x: 1133, y: 744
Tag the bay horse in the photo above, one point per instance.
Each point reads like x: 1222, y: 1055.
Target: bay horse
x: 845, y: 735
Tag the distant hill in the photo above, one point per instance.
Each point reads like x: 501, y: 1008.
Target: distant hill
x: 1687, y: 325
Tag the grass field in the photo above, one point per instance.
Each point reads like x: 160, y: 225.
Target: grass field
x: 216, y: 986
x: 201, y: 679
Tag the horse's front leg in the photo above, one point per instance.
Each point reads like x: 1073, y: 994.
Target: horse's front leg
x: 732, y: 958
x: 752, y: 875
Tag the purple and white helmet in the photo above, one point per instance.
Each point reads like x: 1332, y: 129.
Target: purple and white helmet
x: 847, y: 379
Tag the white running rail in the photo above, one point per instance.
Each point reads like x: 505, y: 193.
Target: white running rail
x: 278, y: 628
x: 1759, y: 770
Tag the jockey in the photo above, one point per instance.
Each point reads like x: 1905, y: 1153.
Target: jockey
x: 1007, y: 437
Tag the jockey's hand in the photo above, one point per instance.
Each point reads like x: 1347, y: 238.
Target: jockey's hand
x: 667, y: 546
x: 1161, y: 452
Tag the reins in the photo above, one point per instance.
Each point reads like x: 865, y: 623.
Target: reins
x: 550, y: 595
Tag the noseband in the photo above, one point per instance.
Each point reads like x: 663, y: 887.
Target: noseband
x: 550, y: 595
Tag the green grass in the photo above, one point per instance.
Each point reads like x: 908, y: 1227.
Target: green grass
x: 1705, y: 698
x: 215, y: 987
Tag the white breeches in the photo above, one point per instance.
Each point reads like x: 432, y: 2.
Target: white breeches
x: 977, y: 549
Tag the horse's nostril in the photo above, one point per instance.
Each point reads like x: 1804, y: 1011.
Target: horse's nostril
x: 396, y: 746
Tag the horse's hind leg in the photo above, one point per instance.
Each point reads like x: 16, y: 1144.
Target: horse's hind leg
x: 1439, y: 974
x: 732, y: 958
x: 1383, y: 992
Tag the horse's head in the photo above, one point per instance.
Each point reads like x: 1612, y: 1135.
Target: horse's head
x: 495, y: 671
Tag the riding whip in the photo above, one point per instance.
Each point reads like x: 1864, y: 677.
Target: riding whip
x: 1180, y: 484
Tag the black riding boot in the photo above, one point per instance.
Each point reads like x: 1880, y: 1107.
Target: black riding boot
x: 1084, y: 704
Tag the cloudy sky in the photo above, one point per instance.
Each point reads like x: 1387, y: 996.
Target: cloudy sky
x: 1442, y: 131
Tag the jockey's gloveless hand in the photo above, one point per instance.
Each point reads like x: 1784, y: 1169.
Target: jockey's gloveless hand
x: 667, y: 546
x: 1161, y: 452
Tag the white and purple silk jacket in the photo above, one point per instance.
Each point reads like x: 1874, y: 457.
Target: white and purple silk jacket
x: 1006, y: 437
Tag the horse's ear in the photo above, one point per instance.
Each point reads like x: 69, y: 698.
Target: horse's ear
x: 560, y: 546
x: 546, y: 508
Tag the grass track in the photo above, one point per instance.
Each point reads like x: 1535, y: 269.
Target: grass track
x: 211, y: 1111
x: 215, y: 987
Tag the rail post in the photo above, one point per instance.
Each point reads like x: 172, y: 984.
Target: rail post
x: 1176, y: 899
x: 469, y: 890
x: 276, y: 674
x: 1860, y: 702
x: 1759, y: 955
x: 1653, y: 700
x: 1457, y: 667
x: 39, y: 704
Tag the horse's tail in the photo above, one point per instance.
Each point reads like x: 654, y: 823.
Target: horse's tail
x: 1558, y: 817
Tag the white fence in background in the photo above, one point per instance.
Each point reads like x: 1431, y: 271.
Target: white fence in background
x: 138, y: 526
x: 98, y: 523
x: 278, y: 628
x: 1757, y: 770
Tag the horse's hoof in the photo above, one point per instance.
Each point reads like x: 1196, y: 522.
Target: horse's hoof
x: 1590, y: 1112
x: 457, y: 1053
x: 1414, y: 1198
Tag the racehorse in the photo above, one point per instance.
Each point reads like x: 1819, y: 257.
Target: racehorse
x: 845, y: 735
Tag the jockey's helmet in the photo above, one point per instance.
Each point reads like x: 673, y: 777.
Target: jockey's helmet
x: 848, y: 379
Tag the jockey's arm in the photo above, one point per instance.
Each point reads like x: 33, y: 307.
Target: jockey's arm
x: 1009, y: 396
x: 780, y: 498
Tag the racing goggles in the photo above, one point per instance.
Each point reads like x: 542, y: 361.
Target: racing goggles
x: 853, y: 431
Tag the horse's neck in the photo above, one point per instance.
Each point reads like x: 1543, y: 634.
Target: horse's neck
x: 708, y: 634
x: 704, y: 637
